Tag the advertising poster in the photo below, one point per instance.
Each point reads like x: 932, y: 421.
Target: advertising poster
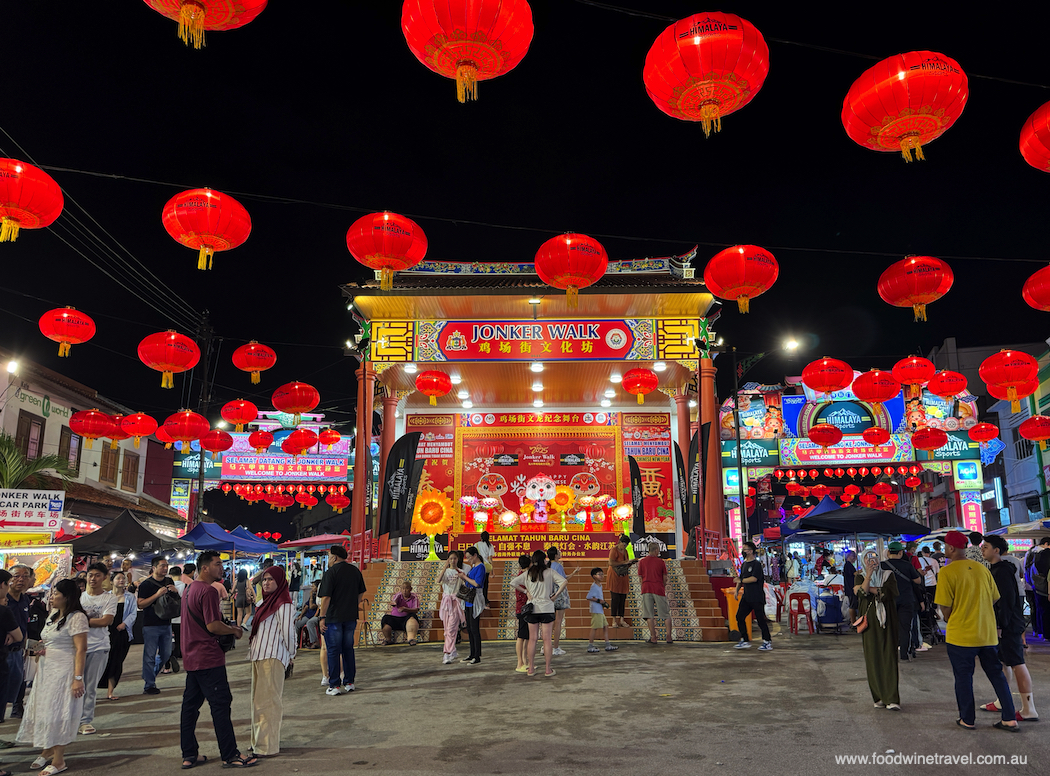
x: 761, y: 417
x: 49, y: 563
x: 647, y: 438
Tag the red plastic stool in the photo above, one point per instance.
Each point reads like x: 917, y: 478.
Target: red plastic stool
x: 799, y: 606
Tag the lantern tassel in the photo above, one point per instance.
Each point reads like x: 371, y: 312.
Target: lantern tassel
x: 920, y: 311
x: 710, y: 118
x: 743, y: 304
x: 8, y: 229
x: 255, y: 378
x: 90, y: 440
x: 433, y: 401
x: 386, y: 279
x: 1042, y: 444
x: 239, y: 427
x: 191, y: 24
x: 641, y: 399
x: 572, y: 297
x: 167, y: 379
x: 204, y: 257
x: 467, y: 81
x: 907, y: 144
x: 1012, y: 397
x: 137, y: 441
x: 63, y: 349
x: 113, y: 444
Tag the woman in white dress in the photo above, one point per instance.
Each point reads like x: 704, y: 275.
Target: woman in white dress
x: 542, y: 585
x: 271, y: 651
x: 450, y: 611
x: 52, y: 713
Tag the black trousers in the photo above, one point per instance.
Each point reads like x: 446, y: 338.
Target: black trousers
x: 1042, y: 614
x: 905, y: 618
x: 176, y: 628
x: 474, y: 633
x: 759, y: 610
x: 212, y: 685
x: 619, y: 605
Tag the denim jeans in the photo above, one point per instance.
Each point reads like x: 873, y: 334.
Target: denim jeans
x: 156, y: 648
x: 339, y: 641
x: 94, y: 667
x: 209, y: 684
x: 962, y: 660
x: 15, y: 676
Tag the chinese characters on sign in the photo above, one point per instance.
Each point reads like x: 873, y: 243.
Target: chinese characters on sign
x: 39, y: 510
x: 593, y: 547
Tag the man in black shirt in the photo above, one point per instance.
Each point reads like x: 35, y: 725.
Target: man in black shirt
x: 18, y: 602
x: 341, y: 590
x: 908, y: 601
x: 752, y: 582
x: 156, y: 632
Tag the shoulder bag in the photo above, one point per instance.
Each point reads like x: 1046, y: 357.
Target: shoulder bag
x: 168, y: 606
x: 467, y: 592
x: 227, y: 641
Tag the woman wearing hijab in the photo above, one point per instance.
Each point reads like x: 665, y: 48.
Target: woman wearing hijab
x: 271, y: 651
x: 877, y: 603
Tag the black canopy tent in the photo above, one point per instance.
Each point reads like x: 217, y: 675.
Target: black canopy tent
x: 862, y: 520
x: 126, y: 534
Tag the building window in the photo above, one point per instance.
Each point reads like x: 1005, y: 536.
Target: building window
x: 69, y: 449
x: 30, y: 434
x: 129, y: 473
x: 107, y: 471
x: 1022, y: 447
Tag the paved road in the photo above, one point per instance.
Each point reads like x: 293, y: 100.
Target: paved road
x: 690, y: 708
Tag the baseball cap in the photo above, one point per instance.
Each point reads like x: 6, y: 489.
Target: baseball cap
x: 895, y: 547
x: 956, y: 539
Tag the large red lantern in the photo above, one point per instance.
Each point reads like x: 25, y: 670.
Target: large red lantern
x: 825, y: 435
x: 216, y: 441
x: 329, y: 437
x: 820, y: 491
x: 67, y: 327
x: 875, y: 387
x: 983, y: 432
x: 1036, y: 291
x: 239, y: 413
x: 300, y: 440
x: 91, y: 425
x: 570, y: 262
x: 914, y: 371
x: 387, y: 242
x: 928, y: 439
x: 197, y: 16
x: 882, y: 489
x: 186, y: 426
x: 827, y: 375
x: 741, y: 273
x: 29, y: 198
x: 116, y: 433
x: 947, y: 384
x: 307, y: 500
x: 138, y: 425
x: 254, y: 358
x: 1036, y: 429
x: 468, y: 40
x: 295, y: 399
x: 260, y: 441
x: 337, y: 501
x: 169, y: 352
x: 1035, y: 139
x: 164, y: 437
x: 207, y: 221
x: 1009, y: 369
x: 705, y: 67
x: 640, y: 382
x: 433, y: 383
x: 915, y: 282
x: 912, y: 482
x: 1023, y: 391
x: 876, y: 436
x: 905, y: 102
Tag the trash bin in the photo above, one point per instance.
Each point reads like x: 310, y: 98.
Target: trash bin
x: 732, y: 604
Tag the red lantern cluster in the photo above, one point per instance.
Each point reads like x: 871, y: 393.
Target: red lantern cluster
x: 239, y: 413
x: 207, y: 221
x: 1012, y: 371
x: 640, y: 382
x: 29, y: 198
x: 570, y: 262
x: 67, y: 327
x: 741, y: 273
x: 91, y: 425
x: 197, y: 16
x: 705, y: 67
x: 295, y: 399
x: 915, y: 282
x: 827, y: 375
x: 387, y: 242
x: 254, y: 358
x: 169, y: 352
x: 433, y: 383
x: 337, y: 502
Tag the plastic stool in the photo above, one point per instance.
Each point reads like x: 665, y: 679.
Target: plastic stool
x: 799, y: 606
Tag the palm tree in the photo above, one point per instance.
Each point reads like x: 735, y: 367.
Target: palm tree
x: 17, y: 471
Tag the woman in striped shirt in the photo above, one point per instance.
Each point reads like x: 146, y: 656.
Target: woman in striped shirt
x: 271, y: 651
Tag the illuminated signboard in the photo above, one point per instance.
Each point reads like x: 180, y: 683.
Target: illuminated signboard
x: 731, y: 481
x: 970, y: 507
x: 268, y: 466
x: 959, y: 447
x: 756, y: 452
x: 968, y: 476
x: 802, y: 452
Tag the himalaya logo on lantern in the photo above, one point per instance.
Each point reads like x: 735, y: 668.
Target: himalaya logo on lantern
x: 392, y: 228
x: 935, y: 63
x: 582, y: 247
x: 196, y: 202
x: 706, y: 26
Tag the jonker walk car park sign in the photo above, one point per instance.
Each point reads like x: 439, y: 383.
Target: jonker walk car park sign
x: 31, y: 510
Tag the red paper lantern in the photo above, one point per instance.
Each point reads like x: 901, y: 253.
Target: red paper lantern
x: 266, y: 535
x: 138, y: 425
x: 216, y: 441
x: 875, y: 387
x: 1023, y: 391
x: 791, y: 474
x: 302, y: 439
x: 307, y: 500
x: 820, y: 491
x: 91, y: 425
x: 29, y: 198
x: 864, y: 471
x: 926, y: 439
x: 117, y: 434
x: 67, y: 327
x: 825, y: 435
x: 239, y: 413
x: 640, y: 382
x: 706, y: 66
x: 814, y: 473
x: 829, y: 472
x: 254, y: 358
x: 912, y: 482
x: 329, y: 437
x: 433, y: 383
x: 468, y: 40
x: 295, y: 399
x: 1035, y: 139
x: 851, y: 490
x: 207, y: 221
x: 840, y: 473
x: 260, y: 440
x: 876, y: 436
x: 1009, y: 369
x: 164, y: 436
x: 827, y: 375
x: 867, y: 499
x: 905, y: 102
x: 802, y: 474
x: 226, y: 488
x: 186, y: 426
x: 570, y: 262
x: 914, y: 370
x: 914, y: 469
x: 1036, y: 291
x: 197, y: 16
x: 902, y: 470
x: 852, y: 472
x: 387, y: 242
x: 876, y: 471
x: 947, y: 384
x: 882, y: 488
x: 337, y: 502
x: 983, y: 432
x: 915, y: 282
x: 778, y: 473
x: 276, y: 536
x: 169, y: 352
x: 1036, y: 429
x: 741, y: 273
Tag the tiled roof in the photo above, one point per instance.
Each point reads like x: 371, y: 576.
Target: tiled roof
x: 408, y: 284
x: 78, y: 491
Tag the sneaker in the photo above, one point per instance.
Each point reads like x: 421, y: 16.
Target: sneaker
x: 151, y: 691
x: 558, y: 651
x: 348, y: 687
x: 324, y: 681
x: 767, y: 646
x: 742, y: 645
x: 446, y: 659
x: 893, y: 706
x: 923, y: 648
x: 472, y: 660
x: 592, y: 648
x: 611, y: 647
x: 880, y: 705
x: 453, y: 656
x: 466, y: 660
x: 333, y: 691
x: 926, y: 646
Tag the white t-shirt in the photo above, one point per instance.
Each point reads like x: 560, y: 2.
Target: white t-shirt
x: 98, y: 606
x: 181, y: 587
x: 540, y: 592
x: 595, y: 592
x: 930, y: 568
x: 450, y: 582
x: 486, y: 551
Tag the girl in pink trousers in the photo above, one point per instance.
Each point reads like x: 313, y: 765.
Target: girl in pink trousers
x: 451, y: 610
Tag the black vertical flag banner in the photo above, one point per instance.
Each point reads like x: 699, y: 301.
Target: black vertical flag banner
x: 683, y: 484
x: 369, y: 485
x: 399, y: 464
x: 637, y: 498
x: 691, y: 511
x: 404, y: 527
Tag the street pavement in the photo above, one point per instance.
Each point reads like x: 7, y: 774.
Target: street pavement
x: 687, y: 708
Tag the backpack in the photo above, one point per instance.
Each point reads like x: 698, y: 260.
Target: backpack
x: 1032, y: 575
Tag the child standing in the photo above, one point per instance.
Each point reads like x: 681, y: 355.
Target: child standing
x: 598, y: 604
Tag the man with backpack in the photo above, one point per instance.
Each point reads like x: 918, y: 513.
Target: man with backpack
x: 156, y: 629
x: 1036, y: 566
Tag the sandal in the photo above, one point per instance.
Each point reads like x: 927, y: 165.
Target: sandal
x: 964, y: 726
x: 552, y: 673
x: 112, y: 697
x: 412, y: 642
x: 39, y: 762
x: 190, y: 762
x: 241, y: 762
x: 1014, y: 728
x: 52, y: 770
x: 87, y: 729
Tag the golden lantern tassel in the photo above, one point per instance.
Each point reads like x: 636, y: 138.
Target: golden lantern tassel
x: 137, y: 441
x: 572, y: 297
x: 63, y: 349
x: 386, y: 279
x: 255, y: 378
x: 467, y: 81
x: 919, y: 154
x: 710, y: 118
x: 167, y: 379
x: 920, y: 311
x: 239, y: 427
x: 433, y: 401
x: 90, y: 440
x: 743, y: 304
x: 204, y: 257
x: 191, y: 23
x: 8, y: 229
x: 641, y: 399
x: 113, y: 444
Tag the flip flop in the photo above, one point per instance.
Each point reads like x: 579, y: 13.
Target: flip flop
x: 1015, y: 728
x: 552, y: 673
x: 964, y: 726
x: 39, y: 762
x: 52, y: 770
x: 241, y: 762
x: 194, y: 761
x: 112, y: 697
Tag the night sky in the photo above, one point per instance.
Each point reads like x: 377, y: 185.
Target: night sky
x: 330, y: 109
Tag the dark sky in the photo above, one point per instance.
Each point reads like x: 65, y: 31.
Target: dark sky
x: 331, y: 107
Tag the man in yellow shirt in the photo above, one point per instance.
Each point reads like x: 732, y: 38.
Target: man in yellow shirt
x: 966, y: 594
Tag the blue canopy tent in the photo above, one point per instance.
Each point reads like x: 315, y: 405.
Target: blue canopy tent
x: 826, y: 504
x: 244, y: 533
x: 209, y: 536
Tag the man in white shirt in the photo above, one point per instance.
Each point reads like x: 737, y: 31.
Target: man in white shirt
x: 100, y: 607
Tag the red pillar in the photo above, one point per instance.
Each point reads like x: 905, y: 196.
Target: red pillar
x: 366, y: 380
x: 681, y: 402
x: 385, y: 443
x: 714, y: 500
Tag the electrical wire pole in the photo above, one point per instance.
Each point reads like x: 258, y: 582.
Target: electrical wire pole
x: 205, y: 335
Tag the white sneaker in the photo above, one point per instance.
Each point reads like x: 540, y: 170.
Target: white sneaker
x: 558, y: 651
x: 324, y: 681
x: 446, y: 659
x: 742, y: 645
x: 348, y: 688
x: 454, y: 656
x: 333, y: 691
x: 767, y: 646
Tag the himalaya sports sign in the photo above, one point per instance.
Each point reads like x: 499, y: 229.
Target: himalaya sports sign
x: 755, y: 452
x: 959, y: 448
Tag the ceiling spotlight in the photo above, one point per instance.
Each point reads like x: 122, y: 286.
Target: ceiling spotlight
x: 455, y: 379
x: 692, y: 402
x: 535, y: 300
x: 606, y: 403
x: 538, y: 403
x: 411, y: 368
x: 463, y: 395
x: 468, y: 404
x: 537, y: 386
x: 536, y: 366
x: 615, y: 377
x: 397, y: 413
x: 659, y: 366
x: 610, y: 393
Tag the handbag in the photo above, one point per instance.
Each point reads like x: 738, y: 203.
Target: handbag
x: 861, y: 623
x: 527, y: 609
x: 168, y: 606
x: 467, y: 593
